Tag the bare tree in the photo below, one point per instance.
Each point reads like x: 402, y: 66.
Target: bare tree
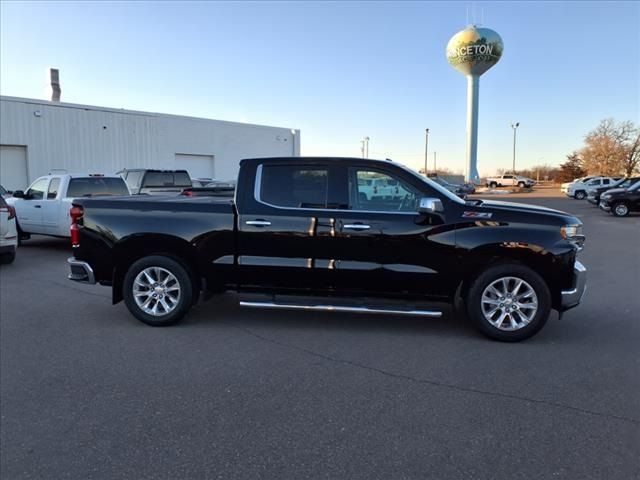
x: 612, y: 148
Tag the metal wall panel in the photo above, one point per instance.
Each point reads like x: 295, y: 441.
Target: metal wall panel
x: 82, y: 138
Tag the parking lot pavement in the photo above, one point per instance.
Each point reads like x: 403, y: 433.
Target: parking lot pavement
x: 88, y: 392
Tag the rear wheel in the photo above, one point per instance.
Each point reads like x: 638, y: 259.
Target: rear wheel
x: 620, y: 209
x: 158, y: 290
x: 508, y: 302
x: 521, y: 184
x: 493, y: 185
x: 580, y: 194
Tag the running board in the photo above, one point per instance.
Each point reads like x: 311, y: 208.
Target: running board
x: 338, y: 308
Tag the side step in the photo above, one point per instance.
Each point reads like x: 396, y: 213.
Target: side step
x: 339, y: 308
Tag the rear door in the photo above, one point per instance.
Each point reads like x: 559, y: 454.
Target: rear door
x: 51, y: 207
x: 286, y: 227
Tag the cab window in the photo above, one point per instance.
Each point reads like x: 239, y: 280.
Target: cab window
x: 294, y: 186
x: 371, y: 190
x: 52, y: 191
x: 36, y: 191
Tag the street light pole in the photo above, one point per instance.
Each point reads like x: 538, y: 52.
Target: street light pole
x: 366, y: 142
x: 426, y: 151
x: 362, y: 147
x: 515, y: 128
x: 435, y: 165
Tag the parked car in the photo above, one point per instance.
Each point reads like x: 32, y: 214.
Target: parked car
x: 156, y: 182
x: 44, y: 207
x: 8, y: 232
x: 4, y: 193
x: 578, y: 183
x: 621, y: 201
x: 453, y: 188
x: 593, y: 193
x: 578, y: 190
x: 510, y: 181
x: 302, y: 234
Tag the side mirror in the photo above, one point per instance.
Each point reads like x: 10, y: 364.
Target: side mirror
x: 18, y: 194
x: 430, y: 205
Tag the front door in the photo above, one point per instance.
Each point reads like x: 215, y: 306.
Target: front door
x: 29, y: 208
x: 385, y: 246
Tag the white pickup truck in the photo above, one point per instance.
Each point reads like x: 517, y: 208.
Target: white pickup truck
x: 510, y: 181
x: 44, y: 207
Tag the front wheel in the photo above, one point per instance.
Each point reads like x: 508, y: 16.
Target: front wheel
x: 620, y: 210
x: 521, y: 185
x: 580, y: 194
x: 157, y: 290
x: 508, y: 302
x: 493, y: 185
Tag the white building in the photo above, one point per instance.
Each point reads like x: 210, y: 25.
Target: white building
x: 37, y: 136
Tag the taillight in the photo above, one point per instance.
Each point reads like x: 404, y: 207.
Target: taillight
x: 10, y: 210
x: 75, y: 213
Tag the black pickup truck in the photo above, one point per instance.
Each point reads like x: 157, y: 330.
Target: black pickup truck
x: 313, y: 234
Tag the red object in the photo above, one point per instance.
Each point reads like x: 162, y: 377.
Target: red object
x: 75, y: 213
x: 10, y: 209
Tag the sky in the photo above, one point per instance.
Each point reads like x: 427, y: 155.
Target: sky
x: 340, y: 71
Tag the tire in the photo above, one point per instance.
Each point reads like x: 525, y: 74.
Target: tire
x: 620, y: 209
x: 159, y: 269
x: 580, y: 195
x: 7, y: 258
x: 493, y: 185
x: 521, y: 185
x: 22, y: 235
x: 528, y: 321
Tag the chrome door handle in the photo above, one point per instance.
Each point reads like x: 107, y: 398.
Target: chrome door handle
x: 37, y: 206
x: 356, y: 226
x: 258, y: 223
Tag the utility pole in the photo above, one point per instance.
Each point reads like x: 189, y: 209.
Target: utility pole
x: 426, y: 151
x: 435, y: 165
x: 362, y: 148
x: 515, y: 128
x: 366, y: 143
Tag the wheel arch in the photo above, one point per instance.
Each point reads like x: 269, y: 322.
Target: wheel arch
x: 135, y: 247
x: 536, y: 258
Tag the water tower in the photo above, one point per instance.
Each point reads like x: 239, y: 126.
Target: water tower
x: 472, y: 52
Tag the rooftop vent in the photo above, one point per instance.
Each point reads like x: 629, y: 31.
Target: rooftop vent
x: 55, y: 84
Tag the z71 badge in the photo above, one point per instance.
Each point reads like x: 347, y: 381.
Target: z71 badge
x: 476, y: 214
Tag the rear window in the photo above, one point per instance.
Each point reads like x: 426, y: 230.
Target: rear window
x: 94, y: 186
x: 2, y: 190
x: 166, y: 179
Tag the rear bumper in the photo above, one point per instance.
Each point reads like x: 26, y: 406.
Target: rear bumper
x: 571, y: 298
x: 80, y: 271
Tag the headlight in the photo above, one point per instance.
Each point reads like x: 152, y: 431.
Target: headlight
x: 573, y: 233
x: 605, y: 196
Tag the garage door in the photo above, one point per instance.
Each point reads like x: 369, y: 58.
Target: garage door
x: 198, y: 166
x: 13, y: 167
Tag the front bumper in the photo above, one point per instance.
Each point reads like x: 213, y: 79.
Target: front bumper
x: 80, y: 271
x: 571, y: 298
x: 605, y: 206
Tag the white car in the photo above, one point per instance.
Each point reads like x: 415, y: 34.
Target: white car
x: 579, y: 189
x: 510, y: 181
x: 8, y: 232
x: 44, y: 207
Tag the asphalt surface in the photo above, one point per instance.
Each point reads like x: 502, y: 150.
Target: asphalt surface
x: 88, y: 392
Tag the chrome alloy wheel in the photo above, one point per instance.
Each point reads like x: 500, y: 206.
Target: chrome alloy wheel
x: 621, y: 209
x: 509, y: 303
x: 156, y: 291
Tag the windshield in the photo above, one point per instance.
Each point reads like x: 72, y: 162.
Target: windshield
x: 434, y: 185
x: 635, y: 186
